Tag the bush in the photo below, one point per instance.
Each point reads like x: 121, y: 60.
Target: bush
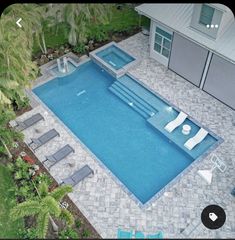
x: 30, y: 233
x: 80, y: 48
x: 86, y: 233
x: 78, y: 223
x: 98, y: 33
x: 68, y: 233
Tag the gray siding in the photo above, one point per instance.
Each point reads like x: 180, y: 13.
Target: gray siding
x: 220, y: 81
x: 187, y: 59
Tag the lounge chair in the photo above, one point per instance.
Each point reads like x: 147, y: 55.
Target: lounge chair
x: 78, y: 176
x: 139, y: 234
x: 46, y: 137
x: 59, y: 155
x: 176, y: 122
x: 124, y: 234
x: 158, y: 235
x: 29, y: 122
x: 193, y: 141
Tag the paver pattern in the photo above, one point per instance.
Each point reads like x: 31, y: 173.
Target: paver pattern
x: 177, y: 212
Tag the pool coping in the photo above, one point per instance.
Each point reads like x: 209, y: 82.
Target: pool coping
x: 109, y: 172
x: 115, y: 73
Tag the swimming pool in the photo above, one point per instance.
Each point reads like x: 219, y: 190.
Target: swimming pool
x: 141, y: 156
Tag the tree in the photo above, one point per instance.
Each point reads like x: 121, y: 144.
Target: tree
x: 44, y: 208
x: 16, y: 66
x: 7, y: 135
x: 79, y: 17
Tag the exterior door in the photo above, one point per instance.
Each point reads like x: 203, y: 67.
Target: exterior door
x: 160, y: 44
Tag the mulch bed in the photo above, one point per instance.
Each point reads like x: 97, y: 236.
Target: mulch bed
x: 30, y: 221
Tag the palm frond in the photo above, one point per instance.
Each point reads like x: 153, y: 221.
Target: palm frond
x: 51, y: 205
x: 60, y: 192
x: 25, y: 209
x: 67, y: 217
x: 42, y: 224
x: 43, y: 189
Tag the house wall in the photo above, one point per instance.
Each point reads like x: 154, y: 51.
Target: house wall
x: 187, y: 59
x: 220, y: 80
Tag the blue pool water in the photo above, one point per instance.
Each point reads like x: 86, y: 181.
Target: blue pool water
x: 115, y: 57
x: 139, y: 155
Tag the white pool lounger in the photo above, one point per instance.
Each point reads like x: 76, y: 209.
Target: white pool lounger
x: 176, y: 122
x: 193, y: 141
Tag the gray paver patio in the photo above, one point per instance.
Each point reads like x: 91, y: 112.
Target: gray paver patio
x: 176, y: 213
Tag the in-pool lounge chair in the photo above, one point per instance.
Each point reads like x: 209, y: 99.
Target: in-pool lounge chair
x: 196, y: 139
x: 176, y: 122
x: 124, y: 234
x: 46, y: 137
x: 59, y: 155
x: 78, y: 176
x: 21, y: 125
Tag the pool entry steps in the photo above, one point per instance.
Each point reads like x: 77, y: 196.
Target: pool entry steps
x: 157, y: 113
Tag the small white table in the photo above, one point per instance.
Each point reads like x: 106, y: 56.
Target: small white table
x: 186, y: 129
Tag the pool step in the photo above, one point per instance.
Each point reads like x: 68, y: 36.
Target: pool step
x: 127, y: 99
x: 132, y: 99
x: 136, y: 97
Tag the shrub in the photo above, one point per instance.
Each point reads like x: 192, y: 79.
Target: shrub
x: 30, y: 233
x: 80, y: 48
x: 86, y: 233
x: 78, y: 223
x: 68, y: 233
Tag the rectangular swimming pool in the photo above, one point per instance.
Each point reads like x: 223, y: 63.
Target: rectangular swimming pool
x: 140, y: 156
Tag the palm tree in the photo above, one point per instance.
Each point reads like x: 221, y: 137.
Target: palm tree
x: 44, y: 208
x: 7, y: 135
x: 16, y: 66
x: 79, y: 17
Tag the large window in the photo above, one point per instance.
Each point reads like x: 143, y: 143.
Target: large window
x: 206, y: 15
x: 162, y: 42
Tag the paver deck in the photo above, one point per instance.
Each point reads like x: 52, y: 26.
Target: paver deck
x: 177, y: 212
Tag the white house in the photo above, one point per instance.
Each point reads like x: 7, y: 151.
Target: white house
x: 197, y: 41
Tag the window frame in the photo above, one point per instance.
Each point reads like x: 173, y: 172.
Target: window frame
x: 203, y: 15
x: 162, y: 46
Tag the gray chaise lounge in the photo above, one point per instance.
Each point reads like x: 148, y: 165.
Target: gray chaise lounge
x: 29, y: 122
x: 78, y: 176
x: 46, y: 137
x: 59, y: 155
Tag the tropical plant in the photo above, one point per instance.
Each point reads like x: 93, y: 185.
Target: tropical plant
x: 86, y: 233
x: 68, y: 233
x: 30, y: 233
x: 79, y: 17
x: 78, y: 223
x: 16, y: 66
x: 80, y: 48
x: 44, y: 208
x: 7, y: 134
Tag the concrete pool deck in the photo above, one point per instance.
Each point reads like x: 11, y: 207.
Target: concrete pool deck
x: 177, y: 212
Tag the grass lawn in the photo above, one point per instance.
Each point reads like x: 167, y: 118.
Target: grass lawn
x: 8, y: 229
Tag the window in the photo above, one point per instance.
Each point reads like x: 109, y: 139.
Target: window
x: 162, y: 42
x: 206, y: 15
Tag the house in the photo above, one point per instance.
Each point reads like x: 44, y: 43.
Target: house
x: 196, y: 41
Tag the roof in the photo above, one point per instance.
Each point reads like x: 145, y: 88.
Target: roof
x: 178, y: 18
